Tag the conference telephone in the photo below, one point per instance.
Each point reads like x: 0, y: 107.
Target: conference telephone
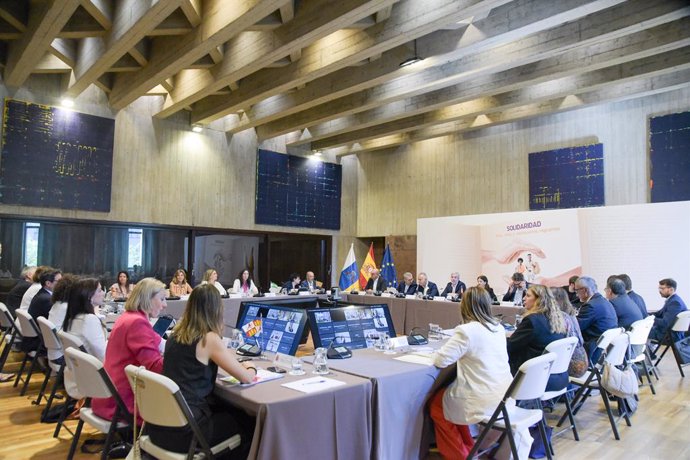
x: 339, y: 352
x: 249, y: 350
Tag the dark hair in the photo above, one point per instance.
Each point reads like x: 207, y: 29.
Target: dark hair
x: 63, y: 287
x: 39, y: 271
x: 476, y: 306
x: 485, y: 279
x: 670, y: 282
x: 117, y: 280
x: 626, y: 279
x: 616, y: 285
x: 293, y: 276
x: 48, y: 275
x: 249, y: 278
x: 519, y: 277
x: 80, y: 300
x: 572, y: 279
x: 520, y: 259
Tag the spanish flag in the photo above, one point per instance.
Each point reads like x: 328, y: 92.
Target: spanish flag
x: 368, y: 265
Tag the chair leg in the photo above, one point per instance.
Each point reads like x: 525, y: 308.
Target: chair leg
x: 28, y: 376
x: 21, y: 370
x: 63, y: 416
x: 545, y: 440
x: 679, y: 361
x: 605, y: 397
x: 649, y: 359
x: 624, y: 409
x: 484, y: 432
x: 569, y: 413
x: 56, y: 383
x: 42, y: 391
x: 75, y: 440
x: 6, y: 351
x: 108, y: 439
x: 649, y: 378
x: 662, y: 354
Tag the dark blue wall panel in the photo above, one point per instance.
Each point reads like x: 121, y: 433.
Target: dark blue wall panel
x: 567, y: 178
x: 297, y: 192
x: 55, y: 158
x: 669, y: 151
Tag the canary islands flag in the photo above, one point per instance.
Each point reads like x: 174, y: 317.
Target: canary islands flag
x: 348, y: 276
x: 388, y: 271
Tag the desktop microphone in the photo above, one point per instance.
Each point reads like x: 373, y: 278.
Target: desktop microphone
x: 416, y: 339
x: 338, y: 352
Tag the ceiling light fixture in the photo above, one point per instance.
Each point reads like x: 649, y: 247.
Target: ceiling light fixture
x: 67, y: 103
x: 414, y: 59
x: 197, y: 128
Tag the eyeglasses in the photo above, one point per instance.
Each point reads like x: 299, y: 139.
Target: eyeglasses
x: 577, y: 289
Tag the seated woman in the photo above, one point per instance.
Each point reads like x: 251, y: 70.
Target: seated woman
x: 244, y: 284
x: 292, y: 284
x: 60, y: 297
x: 478, y: 348
x: 192, y: 357
x: 211, y: 277
x: 81, y: 321
x: 122, y: 289
x: 483, y: 282
x: 542, y: 324
x: 179, y: 285
x: 133, y: 341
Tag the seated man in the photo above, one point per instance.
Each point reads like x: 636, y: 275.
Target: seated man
x: 407, y: 286
x: 14, y: 297
x: 455, y: 287
x: 292, y: 285
x: 634, y: 296
x: 570, y: 289
x: 310, y: 282
x: 664, y: 318
x: 596, y: 314
x: 426, y: 287
x: 376, y: 283
x: 516, y: 290
x: 626, y: 310
x: 41, y: 304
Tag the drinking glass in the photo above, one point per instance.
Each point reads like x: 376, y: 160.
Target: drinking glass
x: 236, y: 339
x: 434, y: 332
x: 518, y: 320
x: 320, y: 361
x: 296, y: 368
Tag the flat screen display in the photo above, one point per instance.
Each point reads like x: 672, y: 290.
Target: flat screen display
x: 281, y: 327
x: 357, y: 326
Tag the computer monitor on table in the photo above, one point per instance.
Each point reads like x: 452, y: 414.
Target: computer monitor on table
x: 297, y: 302
x: 356, y: 326
x: 281, y: 327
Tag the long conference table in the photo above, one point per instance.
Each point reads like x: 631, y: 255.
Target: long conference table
x: 380, y: 411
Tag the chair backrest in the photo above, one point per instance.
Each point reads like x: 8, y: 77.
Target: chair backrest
x: 532, y: 377
x: 27, y: 324
x: 608, y: 335
x: 6, y: 319
x: 49, y: 334
x: 615, y: 353
x: 70, y: 340
x: 564, y: 349
x: 89, y: 374
x: 682, y: 323
x: 155, y: 397
x: 639, y: 331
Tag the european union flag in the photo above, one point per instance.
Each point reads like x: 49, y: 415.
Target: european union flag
x: 388, y: 268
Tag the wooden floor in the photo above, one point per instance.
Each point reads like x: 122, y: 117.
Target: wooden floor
x: 659, y: 431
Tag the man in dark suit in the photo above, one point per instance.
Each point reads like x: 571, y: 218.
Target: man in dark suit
x: 517, y: 289
x: 310, y: 282
x: 376, y: 283
x: 626, y: 310
x: 293, y: 284
x: 455, y: 287
x: 634, y: 296
x: 407, y: 286
x: 596, y: 314
x: 426, y: 287
x: 14, y: 297
x: 41, y: 304
x: 664, y: 318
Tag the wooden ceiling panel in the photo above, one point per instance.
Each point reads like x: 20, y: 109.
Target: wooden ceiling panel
x: 332, y: 69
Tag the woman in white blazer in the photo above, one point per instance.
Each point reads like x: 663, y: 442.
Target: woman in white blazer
x: 244, y: 284
x: 478, y: 349
x: 211, y: 277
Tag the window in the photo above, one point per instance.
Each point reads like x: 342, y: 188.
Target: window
x: 134, y: 248
x: 31, y: 231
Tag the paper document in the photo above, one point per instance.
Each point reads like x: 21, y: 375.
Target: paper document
x: 313, y: 384
x: 262, y: 375
x: 415, y: 358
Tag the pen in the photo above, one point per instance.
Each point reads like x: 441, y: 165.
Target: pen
x: 318, y: 381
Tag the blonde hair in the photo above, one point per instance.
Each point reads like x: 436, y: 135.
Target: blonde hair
x: 207, y: 275
x: 203, y: 314
x: 547, y: 305
x: 174, y: 279
x: 142, y: 294
x: 476, y: 306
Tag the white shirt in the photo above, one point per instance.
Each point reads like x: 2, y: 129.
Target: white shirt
x: 483, y: 372
x: 218, y: 286
x: 237, y: 287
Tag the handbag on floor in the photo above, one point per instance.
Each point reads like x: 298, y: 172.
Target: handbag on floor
x: 683, y: 347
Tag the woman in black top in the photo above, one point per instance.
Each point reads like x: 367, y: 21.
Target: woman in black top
x: 542, y: 324
x: 483, y: 282
x: 192, y: 357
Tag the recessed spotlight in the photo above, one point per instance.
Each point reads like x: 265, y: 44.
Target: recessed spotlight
x: 197, y: 128
x: 317, y: 153
x: 67, y: 102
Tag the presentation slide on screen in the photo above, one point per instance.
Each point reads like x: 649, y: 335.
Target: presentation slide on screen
x: 647, y: 241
